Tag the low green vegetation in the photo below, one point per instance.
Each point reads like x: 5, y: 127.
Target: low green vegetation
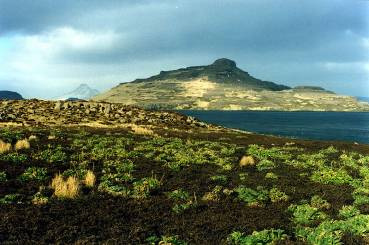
x: 34, y: 173
x: 3, y: 176
x: 294, y: 194
x: 258, y: 237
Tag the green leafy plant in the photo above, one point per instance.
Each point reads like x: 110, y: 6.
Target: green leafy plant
x: 143, y: 187
x: 265, y: 164
x: 319, y: 203
x: 2, y: 176
x: 252, y: 197
x: 243, y: 176
x: 219, y: 178
x: 305, y: 214
x: 34, y: 173
x: 53, y: 155
x: 214, y: 195
x: 274, y: 153
x: 331, y: 176
x: 181, y: 199
x: 257, y: 237
x: 277, y: 195
x: 324, y: 234
x: 14, y: 157
x: 348, y: 211
x: 271, y: 176
x: 174, y: 240
x: 114, y: 189
x: 11, y: 199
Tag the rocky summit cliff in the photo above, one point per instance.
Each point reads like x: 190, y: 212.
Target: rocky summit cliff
x: 224, y: 86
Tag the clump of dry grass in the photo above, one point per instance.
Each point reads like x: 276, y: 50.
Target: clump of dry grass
x: 22, y: 144
x: 51, y: 137
x: 90, y: 179
x: 5, y: 147
x: 65, y: 189
x: 32, y: 138
x: 247, y: 161
x: 141, y: 130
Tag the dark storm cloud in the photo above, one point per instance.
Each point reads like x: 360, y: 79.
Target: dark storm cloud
x: 332, y: 31
x: 323, y: 40
x: 36, y: 16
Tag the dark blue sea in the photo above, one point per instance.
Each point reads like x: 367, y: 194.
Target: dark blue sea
x: 342, y: 126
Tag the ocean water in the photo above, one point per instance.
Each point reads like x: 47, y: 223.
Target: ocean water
x: 342, y: 126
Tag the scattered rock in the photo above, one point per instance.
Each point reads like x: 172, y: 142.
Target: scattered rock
x: 57, y: 106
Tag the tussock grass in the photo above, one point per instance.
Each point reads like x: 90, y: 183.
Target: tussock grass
x: 247, y: 161
x: 141, y: 130
x: 5, y: 147
x: 90, y: 179
x: 32, y: 138
x: 65, y: 189
x: 22, y: 144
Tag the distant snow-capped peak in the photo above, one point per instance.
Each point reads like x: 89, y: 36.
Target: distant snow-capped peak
x: 82, y: 92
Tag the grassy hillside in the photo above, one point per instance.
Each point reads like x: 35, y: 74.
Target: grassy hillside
x: 83, y: 185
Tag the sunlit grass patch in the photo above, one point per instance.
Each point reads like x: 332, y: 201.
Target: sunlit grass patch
x: 142, y: 130
x: 247, y: 161
x: 32, y: 138
x: 5, y: 147
x: 90, y: 179
x: 65, y: 188
x: 22, y: 144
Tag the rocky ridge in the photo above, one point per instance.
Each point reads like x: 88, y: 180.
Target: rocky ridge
x: 77, y: 113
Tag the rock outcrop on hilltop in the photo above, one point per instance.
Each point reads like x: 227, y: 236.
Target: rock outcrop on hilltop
x: 224, y: 86
x: 70, y: 113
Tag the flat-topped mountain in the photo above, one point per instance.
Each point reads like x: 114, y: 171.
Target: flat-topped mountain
x: 223, y: 86
x: 222, y: 71
x: 10, y: 95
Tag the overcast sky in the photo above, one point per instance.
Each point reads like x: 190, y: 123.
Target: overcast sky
x: 49, y: 47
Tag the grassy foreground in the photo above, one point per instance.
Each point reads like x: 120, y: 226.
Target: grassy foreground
x: 112, y: 186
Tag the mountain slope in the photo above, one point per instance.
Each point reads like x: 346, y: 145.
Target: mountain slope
x: 223, y: 86
x: 82, y: 92
x: 10, y: 95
